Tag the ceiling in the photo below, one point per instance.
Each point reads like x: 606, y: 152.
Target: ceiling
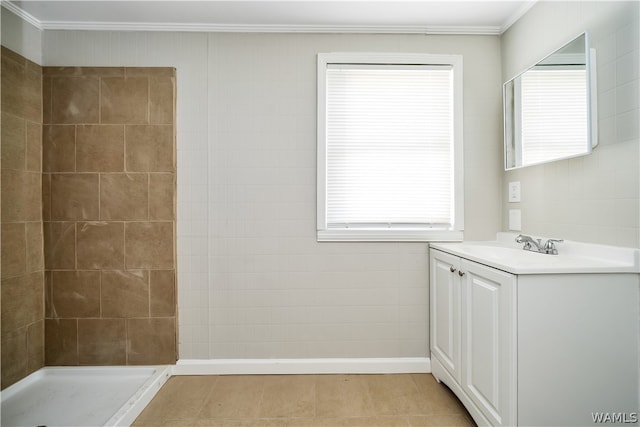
x: 388, y: 16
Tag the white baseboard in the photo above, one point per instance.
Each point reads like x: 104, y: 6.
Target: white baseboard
x: 396, y: 365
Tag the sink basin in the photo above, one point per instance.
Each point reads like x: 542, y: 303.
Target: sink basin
x: 573, y: 257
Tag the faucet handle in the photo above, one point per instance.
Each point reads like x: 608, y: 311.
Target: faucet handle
x: 550, y: 246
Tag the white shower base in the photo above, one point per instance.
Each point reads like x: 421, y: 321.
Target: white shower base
x: 82, y: 396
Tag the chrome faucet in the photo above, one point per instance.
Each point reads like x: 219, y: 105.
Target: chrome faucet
x: 536, y: 245
x: 528, y: 241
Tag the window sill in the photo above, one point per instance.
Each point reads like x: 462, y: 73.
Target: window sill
x: 389, y: 236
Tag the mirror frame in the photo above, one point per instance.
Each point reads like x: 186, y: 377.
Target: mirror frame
x: 592, y: 123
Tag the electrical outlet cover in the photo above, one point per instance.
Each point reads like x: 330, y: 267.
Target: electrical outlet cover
x: 515, y: 219
x: 514, y: 191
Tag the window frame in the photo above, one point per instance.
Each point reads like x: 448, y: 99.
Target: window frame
x: 418, y: 234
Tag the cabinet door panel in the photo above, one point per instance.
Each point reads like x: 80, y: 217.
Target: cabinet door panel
x: 488, y: 362
x: 445, y: 312
x: 483, y: 340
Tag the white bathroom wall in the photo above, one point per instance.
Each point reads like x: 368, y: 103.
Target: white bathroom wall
x: 252, y: 280
x: 20, y: 36
x: 275, y: 292
x: 595, y: 198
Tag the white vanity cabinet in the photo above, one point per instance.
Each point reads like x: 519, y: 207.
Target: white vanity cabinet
x: 446, y: 319
x: 535, y: 349
x: 473, y: 334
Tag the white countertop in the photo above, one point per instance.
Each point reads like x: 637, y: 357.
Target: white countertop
x: 573, y: 257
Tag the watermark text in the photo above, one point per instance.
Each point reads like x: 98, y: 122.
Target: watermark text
x: 614, y: 417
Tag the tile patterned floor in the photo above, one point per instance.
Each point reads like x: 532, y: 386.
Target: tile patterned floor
x: 304, y: 400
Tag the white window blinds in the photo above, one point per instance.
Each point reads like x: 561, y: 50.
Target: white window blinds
x: 389, y: 146
x: 554, y: 113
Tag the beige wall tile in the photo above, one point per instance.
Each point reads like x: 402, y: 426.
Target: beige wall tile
x: 149, y: 245
x: 162, y: 196
x: 35, y: 346
x: 124, y: 100
x: 149, y: 148
x: 13, y: 134
x: 100, y: 245
x: 101, y: 342
x: 83, y: 71
x: 13, y: 249
x: 161, y: 100
x: 68, y: 100
x: 151, y: 341
x: 48, y: 285
x: 21, y: 87
x: 74, y: 197
x: 150, y: 71
x: 21, y: 196
x: 22, y: 301
x: 46, y: 197
x: 21, y: 259
x: 12, y: 83
x: 162, y: 290
x: 59, y: 245
x: 32, y: 199
x: 33, y: 92
x: 11, y: 195
x: 46, y: 100
x: 61, y: 342
x: 125, y: 293
x: 75, y: 100
x: 14, y: 357
x: 59, y: 148
x: 124, y: 196
x: 34, y: 147
x: 8, y: 54
x: 75, y: 294
x: 100, y: 148
x: 35, y: 247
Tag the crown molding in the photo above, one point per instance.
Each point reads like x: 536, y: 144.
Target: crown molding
x: 27, y: 17
x: 517, y: 15
x: 253, y: 28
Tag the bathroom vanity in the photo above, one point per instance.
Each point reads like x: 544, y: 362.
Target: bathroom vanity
x: 525, y: 338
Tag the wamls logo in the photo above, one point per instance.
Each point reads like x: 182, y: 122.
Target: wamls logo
x: 614, y: 417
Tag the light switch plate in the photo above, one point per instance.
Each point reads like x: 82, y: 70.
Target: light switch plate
x: 515, y: 219
x: 514, y: 191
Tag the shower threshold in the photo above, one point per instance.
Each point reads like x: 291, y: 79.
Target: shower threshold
x: 82, y: 396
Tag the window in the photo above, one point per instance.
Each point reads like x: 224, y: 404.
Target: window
x: 389, y: 147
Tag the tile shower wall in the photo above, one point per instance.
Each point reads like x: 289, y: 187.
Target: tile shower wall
x: 22, y: 257
x: 595, y: 198
x: 108, y: 201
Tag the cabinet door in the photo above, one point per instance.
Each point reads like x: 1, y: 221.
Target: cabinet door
x: 488, y: 341
x: 445, y: 311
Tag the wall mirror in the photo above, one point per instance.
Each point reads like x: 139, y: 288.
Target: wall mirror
x: 549, y: 109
